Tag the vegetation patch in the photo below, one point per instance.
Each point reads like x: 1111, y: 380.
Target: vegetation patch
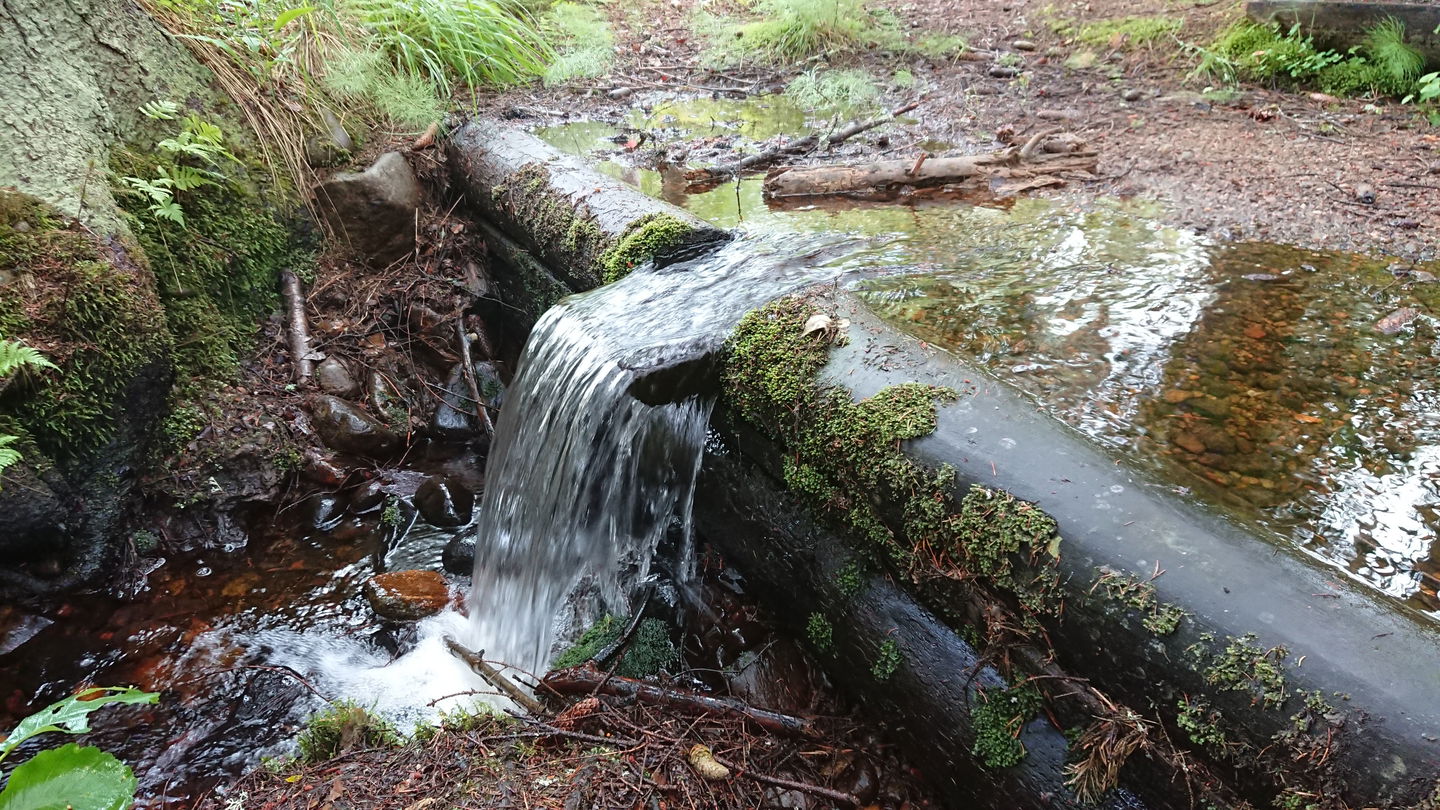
x: 887, y: 660
x: 844, y: 459
x: 584, y: 40
x: 647, y: 237
x: 843, y: 89
x: 649, y: 652
x: 1125, y: 31
x: 820, y: 633
x: 1203, y: 725
x: 344, y: 726
x: 1160, y: 618
x: 1244, y: 666
x: 998, y: 716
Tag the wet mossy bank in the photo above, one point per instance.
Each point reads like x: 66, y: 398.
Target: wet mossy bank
x: 1181, y: 656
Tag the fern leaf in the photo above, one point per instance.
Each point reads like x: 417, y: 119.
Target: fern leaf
x: 15, y: 356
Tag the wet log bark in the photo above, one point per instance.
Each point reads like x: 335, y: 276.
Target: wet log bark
x: 888, y: 178
x: 1324, y: 639
x: 586, y: 228
x: 297, y: 328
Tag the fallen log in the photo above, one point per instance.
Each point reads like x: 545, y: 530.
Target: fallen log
x: 296, y: 327
x: 496, y: 678
x: 703, y: 178
x: 889, y: 178
x: 586, y: 228
x: 586, y: 680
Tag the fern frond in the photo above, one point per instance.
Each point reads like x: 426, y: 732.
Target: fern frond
x: 7, y: 455
x: 15, y: 356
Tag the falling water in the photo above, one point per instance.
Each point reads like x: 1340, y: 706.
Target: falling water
x: 584, y: 479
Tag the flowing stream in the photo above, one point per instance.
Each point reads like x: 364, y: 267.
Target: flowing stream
x: 585, y: 479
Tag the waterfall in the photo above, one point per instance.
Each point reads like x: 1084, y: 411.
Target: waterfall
x: 584, y: 479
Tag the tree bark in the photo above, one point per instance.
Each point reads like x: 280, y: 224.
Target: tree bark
x: 888, y: 178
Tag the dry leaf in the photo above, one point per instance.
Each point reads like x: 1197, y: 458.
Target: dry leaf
x: 703, y: 761
x: 428, y: 139
x: 1307, y: 418
x: 818, y: 322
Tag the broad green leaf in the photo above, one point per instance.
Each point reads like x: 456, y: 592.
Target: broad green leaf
x: 72, y: 715
x: 70, y: 777
x: 287, y: 17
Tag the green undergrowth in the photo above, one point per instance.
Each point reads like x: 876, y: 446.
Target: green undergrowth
x: 998, y: 716
x: 90, y: 308
x: 788, y: 32
x: 845, y: 460
x: 1128, y: 31
x: 344, y: 726
x: 583, y: 39
x: 1383, y: 64
x: 1156, y: 616
x: 649, y: 652
x: 846, y: 90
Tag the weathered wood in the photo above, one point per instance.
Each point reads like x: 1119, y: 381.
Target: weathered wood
x: 585, y: 227
x: 1341, y: 25
x: 496, y: 678
x: 887, y: 178
x: 584, y: 680
x: 297, y: 328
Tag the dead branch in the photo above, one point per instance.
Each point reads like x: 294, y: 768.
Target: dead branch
x: 467, y: 367
x: 587, y: 679
x: 887, y: 178
x: 845, y: 799
x: 297, y: 327
x: 699, y: 178
x: 494, y: 677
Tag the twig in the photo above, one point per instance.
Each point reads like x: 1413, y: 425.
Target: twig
x: 467, y: 367
x: 814, y: 790
x: 494, y: 676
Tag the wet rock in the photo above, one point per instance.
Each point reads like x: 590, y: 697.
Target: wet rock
x: 443, y: 501
x: 455, y: 415
x: 384, y: 398
x: 334, y: 377
x: 321, y: 470
x: 322, y: 153
x: 346, y: 428
x: 369, y: 497
x: 1132, y: 94
x: 322, y: 511
x: 459, y: 555
x: 1003, y: 72
x: 337, y: 131
x: 32, y: 517
x: 673, y: 373
x: 407, y: 595
x: 492, y: 388
x: 374, y: 210
x: 621, y: 92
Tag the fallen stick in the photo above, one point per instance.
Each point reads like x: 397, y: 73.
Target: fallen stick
x: 297, y: 327
x: 467, y: 367
x: 494, y: 677
x: 586, y: 680
x: 699, y: 178
x: 836, y: 796
x: 886, y: 178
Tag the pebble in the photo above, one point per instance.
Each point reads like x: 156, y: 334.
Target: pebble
x: 1023, y: 45
x: 1132, y: 94
x: 620, y: 92
x: 1003, y: 72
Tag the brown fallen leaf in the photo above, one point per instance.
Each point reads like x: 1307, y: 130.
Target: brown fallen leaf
x: 1307, y: 418
x: 428, y: 139
x: 1395, y: 321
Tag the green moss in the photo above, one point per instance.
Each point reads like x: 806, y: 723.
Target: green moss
x: 844, y: 460
x: 344, y: 726
x: 645, y: 238
x: 998, y: 716
x: 1202, y: 724
x: 650, y: 650
x: 887, y: 660
x: 820, y: 633
x: 1135, y: 30
x: 90, y: 308
x: 1158, y: 617
x: 1244, y: 666
x: 851, y: 579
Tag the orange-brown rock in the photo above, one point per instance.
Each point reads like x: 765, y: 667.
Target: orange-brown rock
x: 407, y: 595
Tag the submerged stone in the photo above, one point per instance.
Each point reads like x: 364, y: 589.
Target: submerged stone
x: 344, y: 427
x: 459, y: 555
x: 407, y: 595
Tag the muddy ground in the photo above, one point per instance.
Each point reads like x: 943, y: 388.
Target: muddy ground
x: 1242, y: 163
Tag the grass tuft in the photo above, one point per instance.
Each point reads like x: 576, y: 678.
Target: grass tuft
x: 584, y: 40
x: 476, y: 42
x: 844, y: 90
x: 1386, y: 47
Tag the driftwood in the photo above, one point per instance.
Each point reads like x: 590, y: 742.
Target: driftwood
x: 700, y: 178
x: 477, y: 662
x: 297, y: 328
x: 589, y: 680
x: 1028, y: 166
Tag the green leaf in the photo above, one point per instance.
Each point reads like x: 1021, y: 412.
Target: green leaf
x: 287, y: 17
x: 72, y: 715
x: 70, y: 777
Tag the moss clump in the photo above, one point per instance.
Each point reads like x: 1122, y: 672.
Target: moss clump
x: 1158, y: 617
x: 344, y: 726
x: 844, y: 459
x: 646, y: 237
x: 998, y: 716
x: 1133, y: 30
x: 1202, y: 724
x: 820, y: 633
x: 650, y: 650
x: 1382, y: 64
x: 1244, y: 666
x: 92, y: 312
x: 887, y: 660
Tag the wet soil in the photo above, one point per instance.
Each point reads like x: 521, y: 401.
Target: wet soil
x: 1249, y: 163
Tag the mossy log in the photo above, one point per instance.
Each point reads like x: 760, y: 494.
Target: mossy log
x: 588, y: 229
x: 1342, y: 25
x: 1195, y: 659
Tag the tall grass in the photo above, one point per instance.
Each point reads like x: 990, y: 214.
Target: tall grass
x: 474, y: 41
x: 794, y: 30
x: 1386, y: 47
x: 585, y: 44
x: 845, y: 90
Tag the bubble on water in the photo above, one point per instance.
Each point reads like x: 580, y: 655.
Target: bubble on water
x: 1008, y: 443
x: 204, y: 571
x: 1116, y: 488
